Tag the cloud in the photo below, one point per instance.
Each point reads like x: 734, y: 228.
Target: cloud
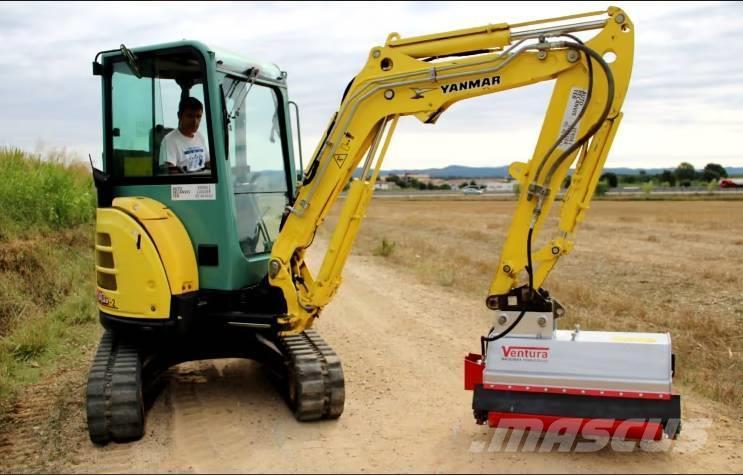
x: 683, y: 102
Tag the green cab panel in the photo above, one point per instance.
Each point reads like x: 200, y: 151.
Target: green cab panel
x: 232, y: 208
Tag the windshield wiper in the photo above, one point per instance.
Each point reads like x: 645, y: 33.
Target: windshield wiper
x: 244, y: 89
x: 131, y: 60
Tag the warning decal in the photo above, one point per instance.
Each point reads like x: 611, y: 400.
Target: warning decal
x: 576, y: 102
x: 340, y: 158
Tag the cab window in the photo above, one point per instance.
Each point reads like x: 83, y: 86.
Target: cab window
x: 150, y: 135
x: 256, y: 153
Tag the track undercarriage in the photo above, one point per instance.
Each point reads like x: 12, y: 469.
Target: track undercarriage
x: 123, y: 377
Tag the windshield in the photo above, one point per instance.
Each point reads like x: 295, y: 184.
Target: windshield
x: 159, y: 120
x: 255, y: 138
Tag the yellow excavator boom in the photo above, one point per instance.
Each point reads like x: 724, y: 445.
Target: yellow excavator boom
x: 423, y: 76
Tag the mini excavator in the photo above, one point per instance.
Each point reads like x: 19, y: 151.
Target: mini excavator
x: 199, y: 263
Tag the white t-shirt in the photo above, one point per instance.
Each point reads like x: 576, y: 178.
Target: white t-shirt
x: 189, y: 153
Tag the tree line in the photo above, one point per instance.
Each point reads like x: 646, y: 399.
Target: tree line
x: 414, y: 183
x: 683, y: 175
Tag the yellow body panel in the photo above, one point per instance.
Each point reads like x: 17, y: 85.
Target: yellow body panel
x: 131, y: 277
x: 171, y: 238
x: 143, y: 256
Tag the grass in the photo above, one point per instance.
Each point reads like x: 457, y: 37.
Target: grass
x: 47, y: 309
x: 651, y: 266
x: 42, y: 194
x: 385, y: 248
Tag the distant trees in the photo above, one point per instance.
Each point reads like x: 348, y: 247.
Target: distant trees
x: 601, y: 188
x: 683, y: 175
x: 466, y: 184
x: 414, y: 183
x: 713, y: 172
x: 668, y: 177
x: 611, y: 179
x: 685, y: 172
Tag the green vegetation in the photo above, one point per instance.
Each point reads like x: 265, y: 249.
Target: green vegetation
x: 683, y: 175
x: 601, y: 188
x: 611, y: 179
x: 42, y: 195
x: 410, y: 182
x: 385, y: 248
x: 47, y: 309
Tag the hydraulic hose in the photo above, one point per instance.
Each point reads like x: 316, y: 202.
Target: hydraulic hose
x: 577, y: 119
x: 484, y: 340
x: 590, y: 54
x: 604, y: 114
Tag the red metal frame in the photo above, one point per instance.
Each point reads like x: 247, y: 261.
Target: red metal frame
x: 623, y: 429
x: 473, y: 369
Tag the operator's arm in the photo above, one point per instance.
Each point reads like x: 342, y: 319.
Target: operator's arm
x: 400, y: 79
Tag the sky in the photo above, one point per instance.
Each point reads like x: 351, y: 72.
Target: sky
x: 685, y: 100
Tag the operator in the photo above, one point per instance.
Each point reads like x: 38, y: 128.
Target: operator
x: 183, y: 150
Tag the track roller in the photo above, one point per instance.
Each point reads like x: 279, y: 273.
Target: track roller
x: 115, y: 405
x: 315, y: 377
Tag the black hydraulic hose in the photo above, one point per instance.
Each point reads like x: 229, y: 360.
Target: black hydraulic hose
x: 529, y: 269
x: 610, y: 98
x: 604, y: 114
x: 577, y: 119
x: 484, y: 339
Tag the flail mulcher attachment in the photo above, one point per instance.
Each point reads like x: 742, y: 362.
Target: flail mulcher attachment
x: 314, y: 377
x: 115, y: 403
x: 532, y: 376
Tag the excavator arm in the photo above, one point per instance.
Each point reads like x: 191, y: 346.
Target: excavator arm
x: 423, y: 76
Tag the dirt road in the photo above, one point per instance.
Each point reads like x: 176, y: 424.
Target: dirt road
x: 402, y: 345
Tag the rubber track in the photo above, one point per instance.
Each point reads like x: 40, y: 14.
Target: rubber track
x: 114, y: 394
x: 320, y: 391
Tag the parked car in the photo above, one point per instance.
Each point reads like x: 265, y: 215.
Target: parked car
x: 731, y: 183
x: 471, y: 190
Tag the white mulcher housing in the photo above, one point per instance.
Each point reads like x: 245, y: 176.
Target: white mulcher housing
x: 589, y: 381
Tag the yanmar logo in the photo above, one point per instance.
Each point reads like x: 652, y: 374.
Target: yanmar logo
x: 105, y: 300
x: 525, y: 353
x: 471, y: 84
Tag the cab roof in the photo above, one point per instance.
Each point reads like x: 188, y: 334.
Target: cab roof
x: 224, y: 59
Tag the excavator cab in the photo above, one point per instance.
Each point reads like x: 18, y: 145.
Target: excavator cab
x: 182, y: 256
x: 231, y: 211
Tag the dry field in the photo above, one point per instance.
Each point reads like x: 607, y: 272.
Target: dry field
x: 403, y: 321
x: 652, y: 266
